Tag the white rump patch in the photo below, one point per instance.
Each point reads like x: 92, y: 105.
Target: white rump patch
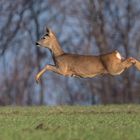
x: 118, y: 55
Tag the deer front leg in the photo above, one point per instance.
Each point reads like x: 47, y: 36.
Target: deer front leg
x: 38, y: 76
x: 46, y: 68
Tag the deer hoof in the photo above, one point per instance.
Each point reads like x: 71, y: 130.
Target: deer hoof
x: 37, y: 78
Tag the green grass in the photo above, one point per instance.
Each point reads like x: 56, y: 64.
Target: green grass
x: 113, y: 122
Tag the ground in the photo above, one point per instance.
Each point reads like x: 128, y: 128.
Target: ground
x: 110, y: 122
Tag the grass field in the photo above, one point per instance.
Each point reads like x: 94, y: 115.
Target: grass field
x: 113, y: 122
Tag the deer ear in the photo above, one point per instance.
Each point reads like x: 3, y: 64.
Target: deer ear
x: 47, y: 30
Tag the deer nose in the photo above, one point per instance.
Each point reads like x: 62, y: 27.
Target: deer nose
x: 37, y: 43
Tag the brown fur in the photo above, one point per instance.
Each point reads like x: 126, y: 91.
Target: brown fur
x: 82, y: 65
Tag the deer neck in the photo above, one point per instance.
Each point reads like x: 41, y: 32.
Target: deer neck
x: 56, y: 49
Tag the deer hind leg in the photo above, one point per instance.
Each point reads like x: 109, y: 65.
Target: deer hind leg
x: 137, y: 64
x: 118, y: 68
x: 126, y: 64
x: 46, y: 68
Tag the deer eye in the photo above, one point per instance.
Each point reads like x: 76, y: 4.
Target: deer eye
x: 47, y: 34
x: 43, y: 37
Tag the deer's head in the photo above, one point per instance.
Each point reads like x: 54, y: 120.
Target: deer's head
x: 47, y: 40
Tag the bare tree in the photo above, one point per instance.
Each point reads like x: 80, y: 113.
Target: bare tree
x: 84, y: 27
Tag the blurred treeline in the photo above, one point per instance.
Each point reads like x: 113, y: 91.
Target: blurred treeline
x: 83, y: 27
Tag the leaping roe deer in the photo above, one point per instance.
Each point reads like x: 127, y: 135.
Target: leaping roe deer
x: 85, y: 66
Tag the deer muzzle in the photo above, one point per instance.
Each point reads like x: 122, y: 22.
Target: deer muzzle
x: 37, y: 44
